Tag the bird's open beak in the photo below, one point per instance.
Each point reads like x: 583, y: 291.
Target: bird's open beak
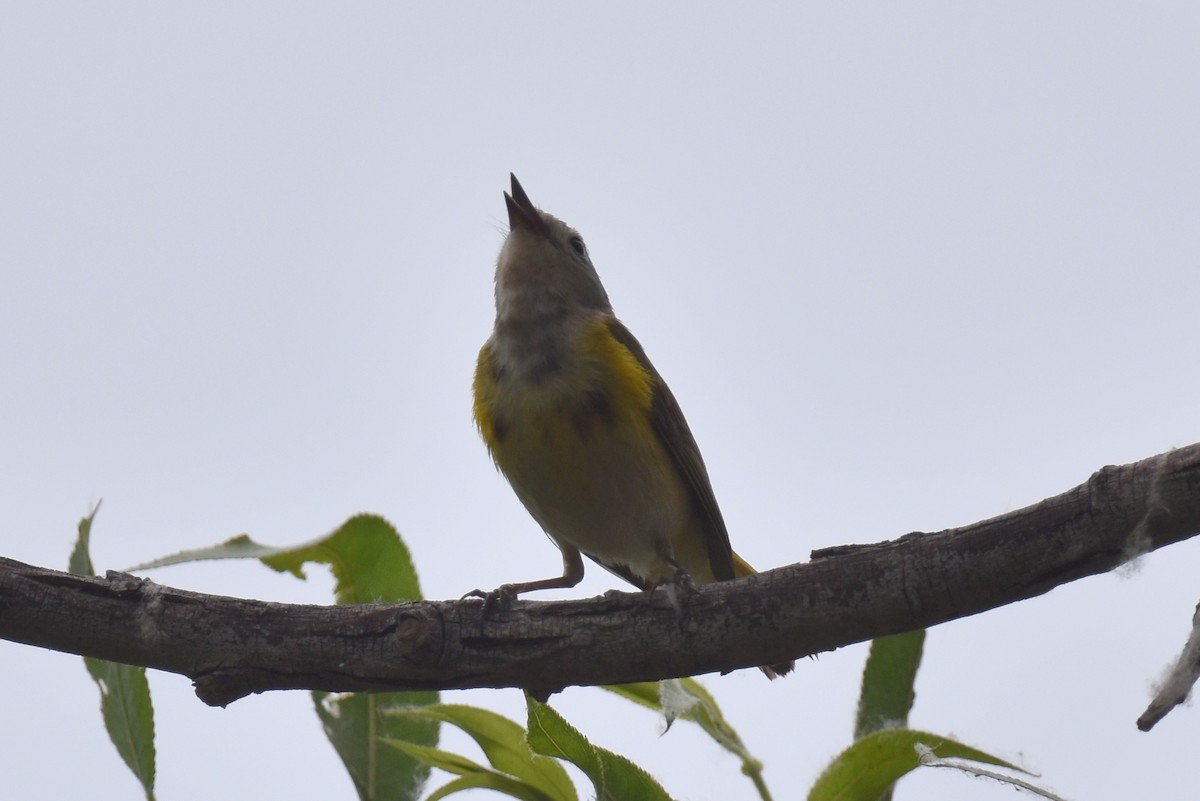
x: 521, y: 211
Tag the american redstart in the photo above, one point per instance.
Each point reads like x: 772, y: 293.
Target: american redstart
x: 583, y: 426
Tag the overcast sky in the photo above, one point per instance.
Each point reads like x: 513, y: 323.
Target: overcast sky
x: 906, y: 266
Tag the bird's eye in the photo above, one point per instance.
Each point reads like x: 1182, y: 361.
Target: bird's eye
x: 578, y: 246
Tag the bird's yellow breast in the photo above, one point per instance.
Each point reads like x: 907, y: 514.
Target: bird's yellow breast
x: 599, y: 383
x: 577, y: 445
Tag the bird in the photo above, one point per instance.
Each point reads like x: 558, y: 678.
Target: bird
x: 585, y: 429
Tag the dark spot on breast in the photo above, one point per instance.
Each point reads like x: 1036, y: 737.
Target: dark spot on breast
x: 499, y: 428
x: 545, y: 368
x: 594, y: 409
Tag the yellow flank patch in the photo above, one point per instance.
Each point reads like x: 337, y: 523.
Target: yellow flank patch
x: 633, y: 382
x: 484, y: 390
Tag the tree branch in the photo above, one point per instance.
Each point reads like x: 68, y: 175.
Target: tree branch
x: 1177, y: 685
x: 232, y: 647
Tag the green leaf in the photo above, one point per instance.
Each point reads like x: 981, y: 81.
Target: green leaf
x: 471, y: 774
x: 865, y: 770
x: 437, y: 758
x: 124, y: 693
x: 887, y: 691
x: 487, y: 781
x: 128, y: 716
x: 688, y: 699
x: 644, y: 693
x: 358, y: 725
x: 80, y: 561
x: 370, y: 562
x: 503, y: 743
x: 614, y: 777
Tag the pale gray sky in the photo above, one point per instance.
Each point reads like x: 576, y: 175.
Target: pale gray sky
x: 906, y: 266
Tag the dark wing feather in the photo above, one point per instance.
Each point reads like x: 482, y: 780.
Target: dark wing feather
x: 668, y: 422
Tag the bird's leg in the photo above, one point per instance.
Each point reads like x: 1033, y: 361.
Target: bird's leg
x: 503, y: 596
x: 675, y: 588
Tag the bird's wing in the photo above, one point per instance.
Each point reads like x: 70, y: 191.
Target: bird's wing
x: 666, y: 418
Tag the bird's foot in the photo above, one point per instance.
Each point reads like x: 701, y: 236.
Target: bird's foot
x: 498, y: 600
x: 676, y: 589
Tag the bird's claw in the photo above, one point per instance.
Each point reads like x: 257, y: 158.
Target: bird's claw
x: 499, y: 599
